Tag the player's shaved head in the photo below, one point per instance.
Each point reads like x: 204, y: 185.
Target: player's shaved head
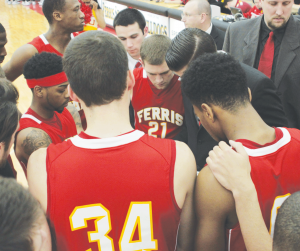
x: 49, y: 6
x: 287, y: 225
x: 97, y: 73
x: 154, y: 49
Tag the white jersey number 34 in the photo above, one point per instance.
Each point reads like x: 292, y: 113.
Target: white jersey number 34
x: 139, y: 215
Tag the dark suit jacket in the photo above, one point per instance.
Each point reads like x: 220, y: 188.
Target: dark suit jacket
x: 218, y: 36
x: 264, y: 100
x: 241, y: 41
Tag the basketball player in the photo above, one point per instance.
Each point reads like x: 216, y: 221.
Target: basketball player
x: 23, y: 222
x: 157, y: 98
x: 216, y: 85
x: 47, y: 120
x: 64, y: 18
x: 131, y: 29
x: 112, y: 187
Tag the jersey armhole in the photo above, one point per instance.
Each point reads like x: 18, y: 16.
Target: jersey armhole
x: 172, y: 170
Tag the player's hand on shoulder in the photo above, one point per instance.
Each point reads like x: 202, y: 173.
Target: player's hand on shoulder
x: 231, y: 167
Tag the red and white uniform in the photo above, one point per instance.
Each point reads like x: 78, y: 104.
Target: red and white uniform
x: 42, y: 45
x: 60, y: 127
x: 159, y: 113
x: 254, y: 12
x: 275, y: 171
x: 244, y: 6
x: 113, y: 193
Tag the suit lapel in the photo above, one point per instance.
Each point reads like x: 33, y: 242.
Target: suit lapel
x: 286, y: 55
x: 214, y: 33
x: 251, y: 40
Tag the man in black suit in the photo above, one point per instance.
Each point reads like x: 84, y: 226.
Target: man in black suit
x: 187, y: 46
x: 197, y: 14
x: 246, y: 41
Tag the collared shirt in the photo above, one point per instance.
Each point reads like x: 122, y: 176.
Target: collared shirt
x: 131, y: 62
x: 208, y: 31
x: 263, y: 37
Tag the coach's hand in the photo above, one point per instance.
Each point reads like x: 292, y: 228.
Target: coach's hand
x: 231, y: 167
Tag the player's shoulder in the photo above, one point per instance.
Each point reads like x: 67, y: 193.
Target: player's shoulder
x: 56, y: 150
x: 294, y: 134
x: 184, y: 155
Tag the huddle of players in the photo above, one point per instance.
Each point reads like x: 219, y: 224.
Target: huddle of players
x: 145, y: 207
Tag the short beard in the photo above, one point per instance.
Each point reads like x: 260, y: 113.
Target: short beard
x: 273, y: 27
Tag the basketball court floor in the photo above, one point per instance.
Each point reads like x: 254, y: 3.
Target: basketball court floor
x: 22, y: 24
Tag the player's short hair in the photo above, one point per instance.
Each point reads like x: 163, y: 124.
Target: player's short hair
x: 9, y: 115
x: 154, y: 49
x: 2, y: 29
x: 218, y: 79
x: 130, y: 16
x: 287, y: 225
x: 49, y: 6
x: 187, y: 46
x: 98, y: 73
x: 43, y: 65
x: 19, y: 212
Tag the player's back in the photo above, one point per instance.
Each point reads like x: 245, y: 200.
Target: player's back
x: 114, y: 193
x: 275, y: 171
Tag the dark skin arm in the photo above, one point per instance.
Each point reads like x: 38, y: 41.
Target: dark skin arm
x: 14, y: 68
x: 75, y: 114
x: 215, y: 211
x: 28, y: 141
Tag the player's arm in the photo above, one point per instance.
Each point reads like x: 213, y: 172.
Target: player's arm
x: 232, y: 169
x: 99, y: 15
x: 14, y: 68
x: 37, y: 176
x: 214, y: 207
x: 75, y: 114
x: 28, y: 141
x: 184, y: 183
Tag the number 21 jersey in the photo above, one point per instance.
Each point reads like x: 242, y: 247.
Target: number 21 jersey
x: 159, y: 113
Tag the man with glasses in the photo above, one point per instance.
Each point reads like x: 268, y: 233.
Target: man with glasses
x: 197, y: 14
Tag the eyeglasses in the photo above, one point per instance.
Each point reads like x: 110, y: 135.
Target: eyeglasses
x: 189, y: 15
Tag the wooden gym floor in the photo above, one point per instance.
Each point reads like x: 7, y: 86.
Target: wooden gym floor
x: 22, y: 24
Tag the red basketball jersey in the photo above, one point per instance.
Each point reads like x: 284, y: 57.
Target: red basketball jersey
x: 42, y: 44
x: 113, y: 193
x: 159, y: 113
x: 61, y: 127
x: 275, y: 171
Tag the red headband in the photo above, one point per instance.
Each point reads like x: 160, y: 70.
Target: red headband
x: 48, y: 81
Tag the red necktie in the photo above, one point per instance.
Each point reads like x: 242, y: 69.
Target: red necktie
x: 138, y: 65
x: 267, y: 56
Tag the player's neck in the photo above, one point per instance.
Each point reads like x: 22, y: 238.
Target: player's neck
x: 41, y: 111
x: 247, y: 124
x: 108, y: 120
x: 58, y: 37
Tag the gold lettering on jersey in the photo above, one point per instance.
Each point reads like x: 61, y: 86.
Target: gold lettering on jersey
x: 140, y: 115
x: 147, y: 113
x: 179, y: 119
x: 165, y: 114
x: 156, y: 113
x: 160, y: 114
x: 172, y: 117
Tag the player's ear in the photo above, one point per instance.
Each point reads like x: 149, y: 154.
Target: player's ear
x: 146, y: 30
x: 250, y: 94
x: 72, y: 95
x: 38, y: 91
x: 208, y: 112
x: 57, y: 15
x: 130, y: 80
